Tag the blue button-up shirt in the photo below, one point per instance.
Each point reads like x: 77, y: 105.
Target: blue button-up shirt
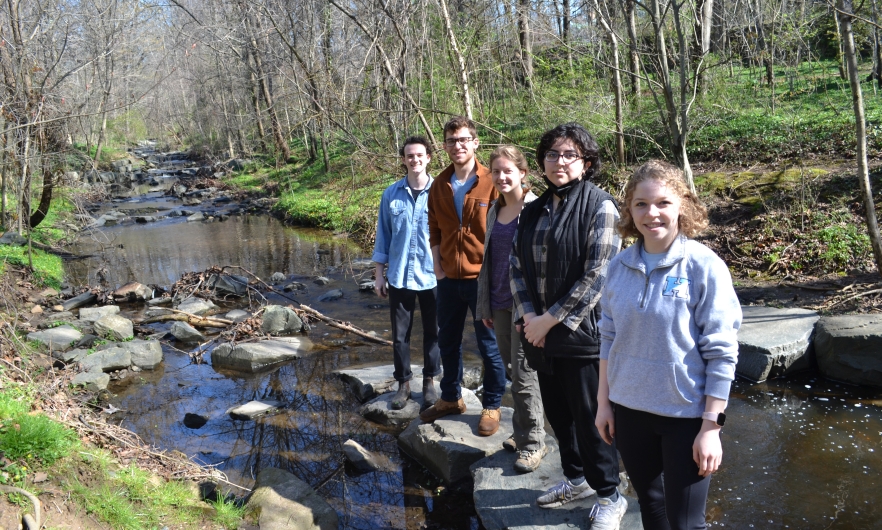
x: 403, y: 238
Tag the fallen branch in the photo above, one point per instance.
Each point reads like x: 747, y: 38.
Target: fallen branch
x: 852, y: 297
x: 808, y: 287
x: 346, y: 326
x: 193, y: 320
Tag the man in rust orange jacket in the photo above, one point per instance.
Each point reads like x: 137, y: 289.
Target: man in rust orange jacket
x: 458, y: 203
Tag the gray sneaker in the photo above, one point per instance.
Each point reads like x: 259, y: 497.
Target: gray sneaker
x: 528, y: 460
x: 563, y: 493
x: 607, y: 515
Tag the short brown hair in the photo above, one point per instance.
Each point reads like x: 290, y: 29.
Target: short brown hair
x: 512, y: 153
x: 458, y: 122
x: 693, y: 214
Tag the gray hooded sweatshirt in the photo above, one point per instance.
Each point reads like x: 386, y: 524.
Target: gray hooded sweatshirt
x: 669, y: 336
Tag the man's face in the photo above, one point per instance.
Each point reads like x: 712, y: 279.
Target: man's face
x: 460, y: 146
x: 415, y: 158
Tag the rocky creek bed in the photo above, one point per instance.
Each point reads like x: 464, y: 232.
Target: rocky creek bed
x: 800, y: 450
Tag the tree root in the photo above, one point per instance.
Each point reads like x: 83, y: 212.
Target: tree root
x: 31, y: 523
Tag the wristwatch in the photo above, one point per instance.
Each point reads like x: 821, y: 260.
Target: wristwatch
x: 718, y: 418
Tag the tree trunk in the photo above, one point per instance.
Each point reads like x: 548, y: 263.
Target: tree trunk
x: 706, y: 22
x: 617, y: 82
x: 263, y: 84
x: 460, y: 61
x: 525, y: 39
x: 845, y: 16
x: 633, y: 56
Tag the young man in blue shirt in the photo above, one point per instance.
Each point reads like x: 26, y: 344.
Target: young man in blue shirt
x: 403, y: 253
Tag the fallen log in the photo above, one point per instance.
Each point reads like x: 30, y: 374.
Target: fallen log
x: 346, y: 326
x: 189, y: 318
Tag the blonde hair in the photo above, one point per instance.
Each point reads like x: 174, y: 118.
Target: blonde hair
x: 693, y: 215
x: 516, y: 157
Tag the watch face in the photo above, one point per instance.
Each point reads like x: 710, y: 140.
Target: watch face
x: 721, y: 419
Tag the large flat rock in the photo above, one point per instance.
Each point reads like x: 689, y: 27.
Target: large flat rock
x: 848, y: 348
x: 91, y: 314
x: 59, y: 338
x: 256, y: 356
x: 774, y: 342
x: 451, y: 444
x: 506, y: 499
x: 379, y: 410
x: 369, y: 382
x: 283, y: 501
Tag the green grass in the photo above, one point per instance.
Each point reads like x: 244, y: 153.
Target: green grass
x: 47, y: 269
x: 228, y: 514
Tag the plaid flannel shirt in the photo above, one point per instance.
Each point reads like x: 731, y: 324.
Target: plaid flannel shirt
x: 603, y: 244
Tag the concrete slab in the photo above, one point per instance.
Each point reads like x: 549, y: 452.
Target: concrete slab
x: 506, y: 499
x: 451, y: 444
x: 369, y: 382
x: 847, y: 348
x: 774, y: 342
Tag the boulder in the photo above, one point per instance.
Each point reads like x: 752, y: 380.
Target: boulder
x: 505, y: 498
x: 93, y: 381
x: 451, y: 444
x: 472, y: 377
x: 847, y: 348
x: 146, y: 354
x: 369, y: 382
x: 256, y: 356
x: 109, y: 360
x: 294, y: 286
x: 229, y: 284
x: 186, y: 333
x: 133, y: 292
x: 162, y: 300
x: 196, y: 306
x: 237, y: 315
x: 14, y: 239
x: 198, y: 216
x: 321, y: 280
x: 253, y: 409
x: 79, y: 301
x: 91, y: 314
x: 280, y: 320
x: 278, y: 277
x: 144, y: 219
x: 286, y: 502
x: 194, y: 421
x: 330, y: 296
x: 59, y: 338
x: 71, y: 356
x: 115, y: 327
x: 366, y: 285
x: 360, y: 458
x: 774, y: 342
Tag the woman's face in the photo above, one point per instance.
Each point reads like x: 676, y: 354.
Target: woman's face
x: 656, y: 212
x: 506, y: 176
x: 569, y: 165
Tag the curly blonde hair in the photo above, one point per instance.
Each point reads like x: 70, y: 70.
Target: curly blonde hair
x: 693, y: 215
x: 516, y: 157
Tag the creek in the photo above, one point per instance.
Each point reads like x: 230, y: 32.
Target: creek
x: 799, y: 453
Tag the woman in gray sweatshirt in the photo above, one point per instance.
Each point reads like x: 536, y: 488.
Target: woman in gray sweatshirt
x: 669, y: 323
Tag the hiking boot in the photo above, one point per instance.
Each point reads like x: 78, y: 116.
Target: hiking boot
x: 528, y: 460
x: 510, y: 445
x: 563, y: 493
x: 607, y: 515
x: 489, y: 423
x: 442, y: 408
x: 429, y: 394
x: 401, y: 397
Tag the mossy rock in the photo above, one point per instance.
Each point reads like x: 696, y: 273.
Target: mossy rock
x: 749, y: 187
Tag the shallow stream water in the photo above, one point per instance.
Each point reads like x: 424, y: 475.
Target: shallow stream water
x: 799, y: 453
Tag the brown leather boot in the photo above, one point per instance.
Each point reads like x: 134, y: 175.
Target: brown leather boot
x: 442, y: 408
x: 489, y: 423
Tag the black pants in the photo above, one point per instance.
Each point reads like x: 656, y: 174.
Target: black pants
x: 569, y: 397
x: 402, y: 303
x: 657, y: 453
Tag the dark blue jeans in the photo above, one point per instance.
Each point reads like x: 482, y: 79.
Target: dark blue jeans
x: 455, y: 299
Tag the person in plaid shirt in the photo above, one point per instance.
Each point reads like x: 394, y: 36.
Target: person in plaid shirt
x: 561, y: 252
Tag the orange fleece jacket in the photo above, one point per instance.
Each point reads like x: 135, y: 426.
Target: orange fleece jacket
x: 461, y: 246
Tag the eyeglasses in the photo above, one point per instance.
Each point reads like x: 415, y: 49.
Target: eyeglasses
x: 450, y: 142
x: 568, y: 156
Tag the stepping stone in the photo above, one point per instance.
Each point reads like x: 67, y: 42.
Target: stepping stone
x: 255, y: 356
x: 774, y: 342
x: 847, y: 348
x: 93, y: 381
x: 379, y: 410
x: 283, y: 501
x: 505, y: 498
x: 370, y: 381
x: 451, y: 444
x: 91, y: 314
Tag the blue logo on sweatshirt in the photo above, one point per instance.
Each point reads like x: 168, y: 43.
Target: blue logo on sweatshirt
x: 676, y: 287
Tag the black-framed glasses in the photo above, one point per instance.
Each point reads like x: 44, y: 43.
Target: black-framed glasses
x: 450, y: 142
x: 567, y: 156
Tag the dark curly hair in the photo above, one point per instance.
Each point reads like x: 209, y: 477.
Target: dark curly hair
x: 585, y: 143
x: 693, y: 214
x: 410, y: 140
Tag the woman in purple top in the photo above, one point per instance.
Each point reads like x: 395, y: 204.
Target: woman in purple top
x: 508, y: 167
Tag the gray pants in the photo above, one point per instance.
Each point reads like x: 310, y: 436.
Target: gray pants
x: 528, y: 420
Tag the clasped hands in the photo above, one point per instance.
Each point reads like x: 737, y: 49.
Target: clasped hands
x: 537, y: 327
